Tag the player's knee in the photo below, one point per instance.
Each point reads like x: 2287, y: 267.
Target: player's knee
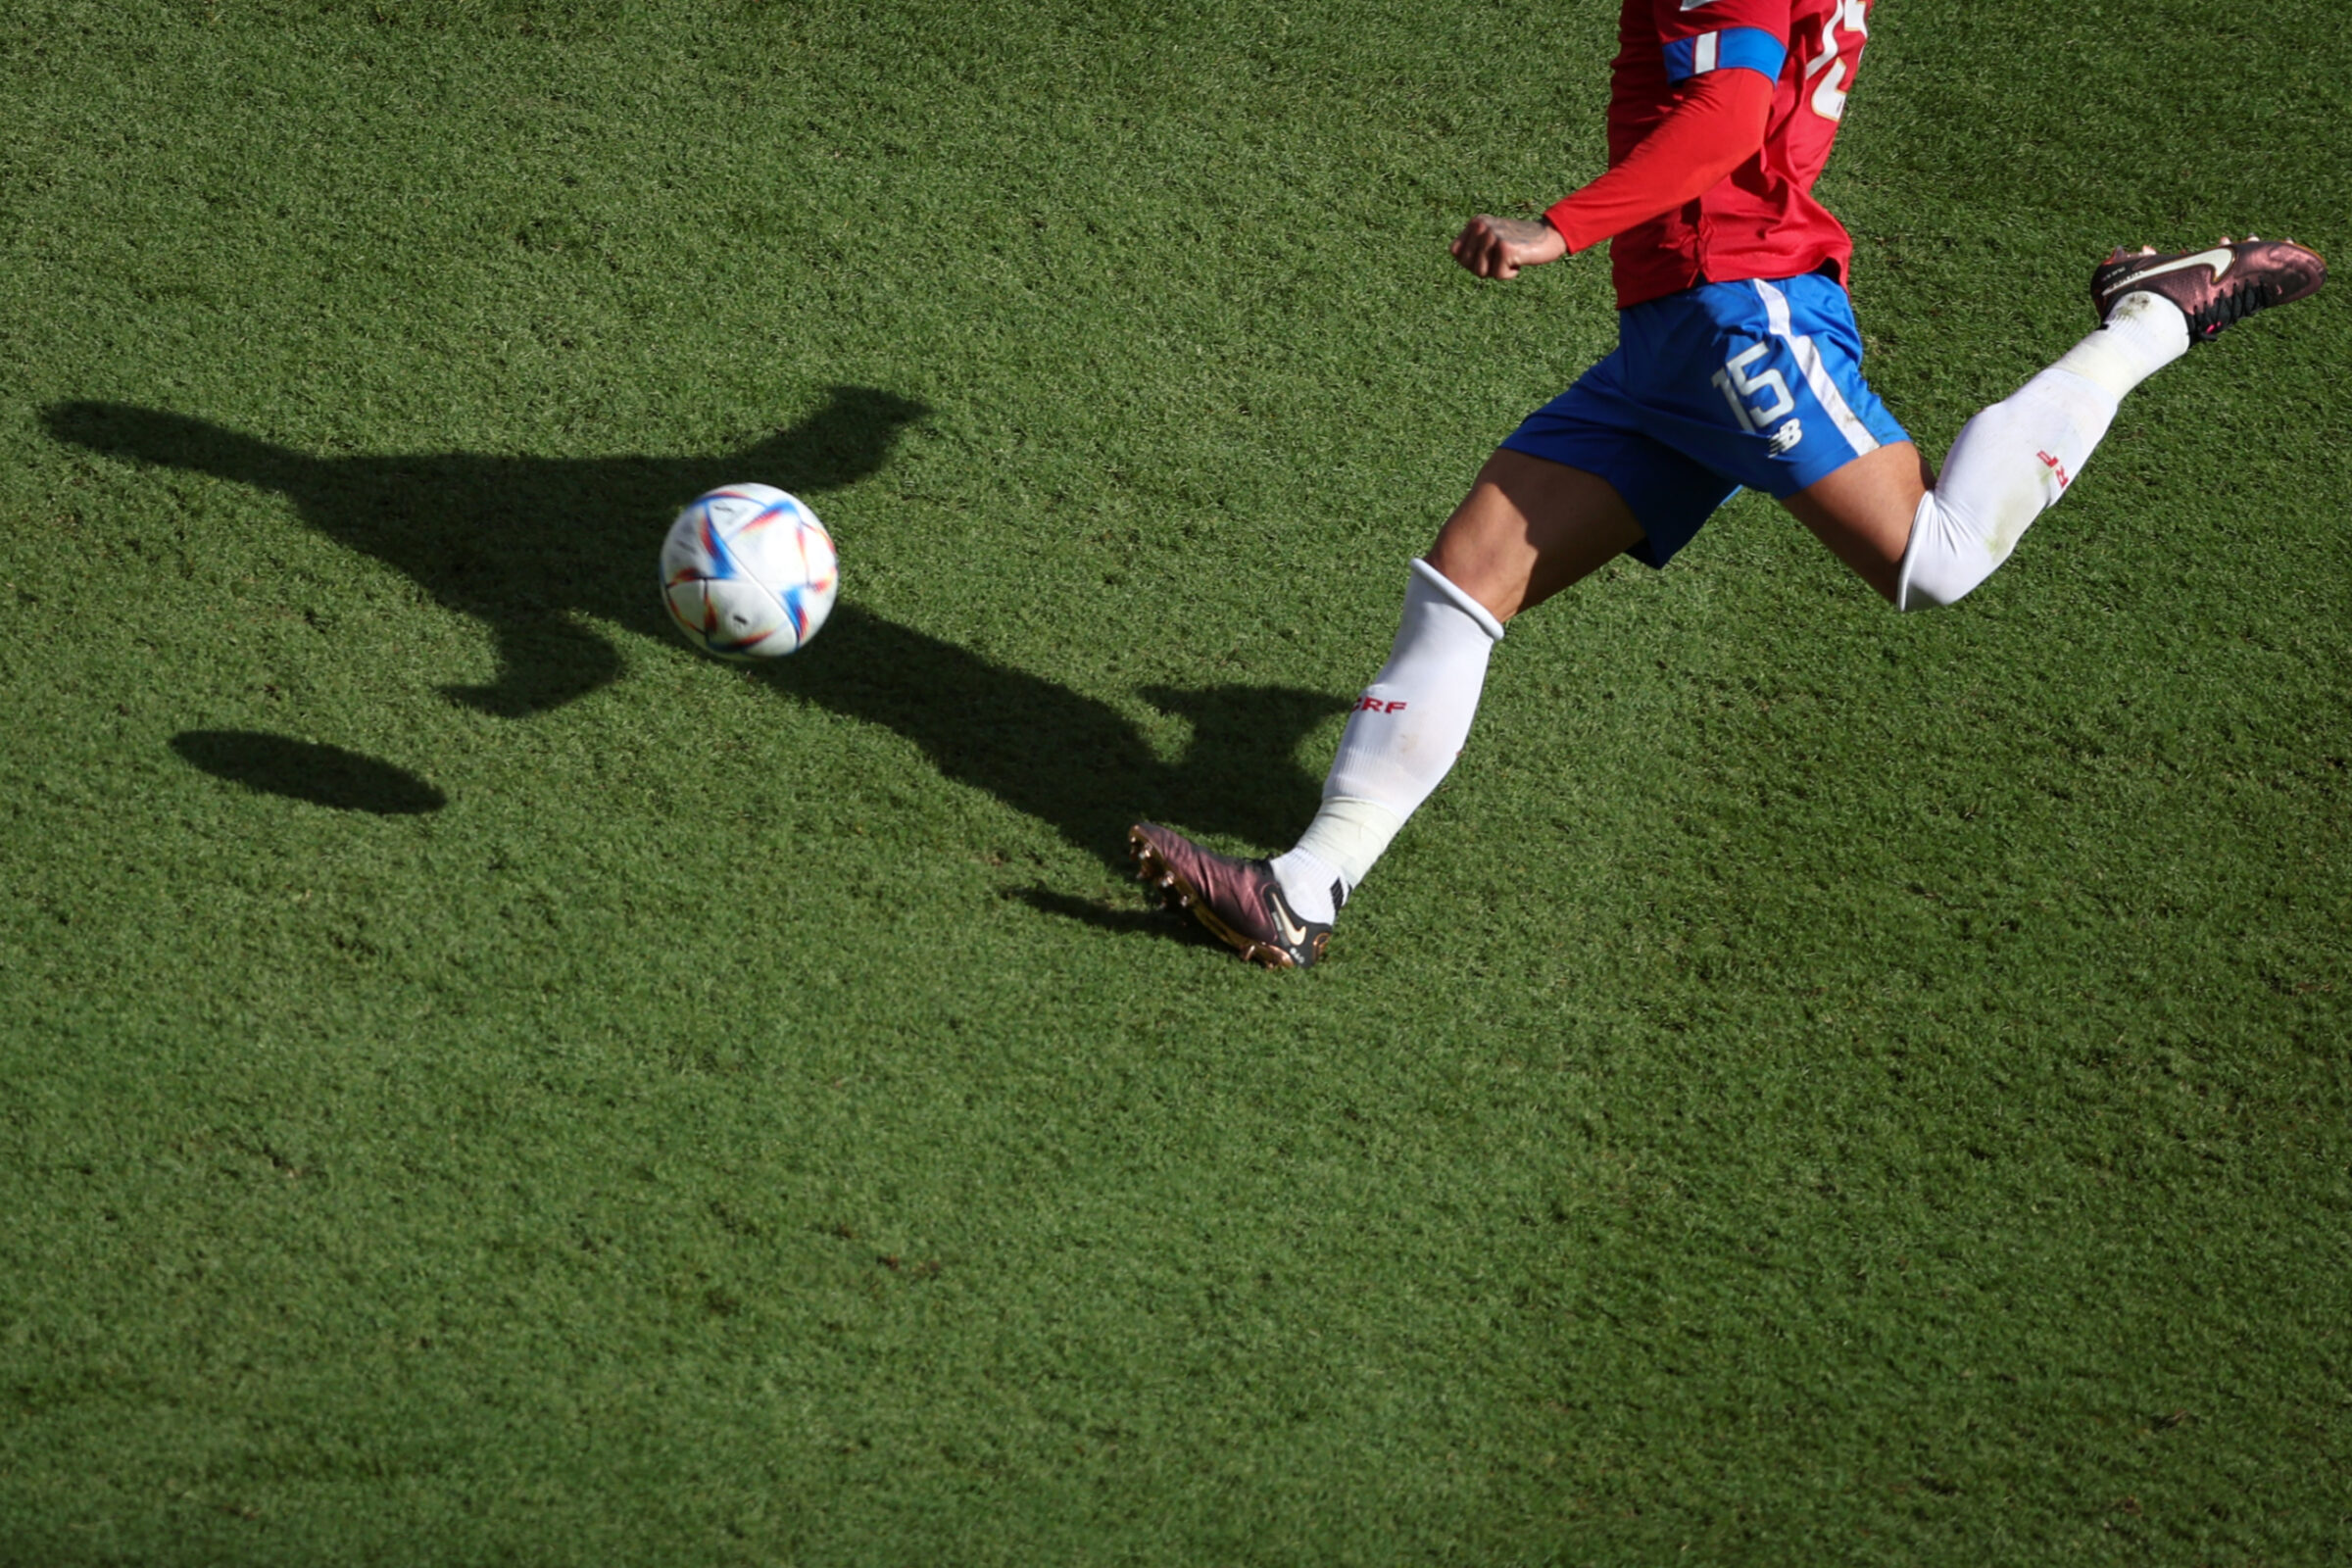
x: 1923, y: 589
x: 1945, y: 560
x: 1909, y: 597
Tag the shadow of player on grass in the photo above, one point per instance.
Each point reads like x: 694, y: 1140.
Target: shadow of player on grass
x: 535, y: 547
x: 525, y: 545
x: 306, y: 770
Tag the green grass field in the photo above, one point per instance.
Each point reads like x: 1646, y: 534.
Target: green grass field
x: 480, y: 1082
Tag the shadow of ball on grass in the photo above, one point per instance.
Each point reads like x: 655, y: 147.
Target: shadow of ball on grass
x: 304, y: 770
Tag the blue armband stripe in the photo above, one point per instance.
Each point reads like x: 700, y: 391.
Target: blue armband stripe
x: 1743, y: 48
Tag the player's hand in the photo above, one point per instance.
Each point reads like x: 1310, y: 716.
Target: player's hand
x: 1497, y: 247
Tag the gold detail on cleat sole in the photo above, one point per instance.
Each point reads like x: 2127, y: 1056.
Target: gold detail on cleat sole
x: 1149, y: 865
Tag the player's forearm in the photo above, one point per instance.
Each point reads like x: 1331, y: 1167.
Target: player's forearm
x: 1716, y: 125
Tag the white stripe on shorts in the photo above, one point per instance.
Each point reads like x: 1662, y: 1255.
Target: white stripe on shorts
x: 1817, y: 374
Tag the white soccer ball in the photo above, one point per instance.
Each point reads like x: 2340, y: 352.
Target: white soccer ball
x: 748, y: 572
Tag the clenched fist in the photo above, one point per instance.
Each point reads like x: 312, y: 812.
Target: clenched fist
x: 1497, y: 247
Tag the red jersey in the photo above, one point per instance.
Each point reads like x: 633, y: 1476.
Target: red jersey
x: 1760, y: 220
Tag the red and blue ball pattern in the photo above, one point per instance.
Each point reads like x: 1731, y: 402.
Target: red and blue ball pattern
x: 748, y: 572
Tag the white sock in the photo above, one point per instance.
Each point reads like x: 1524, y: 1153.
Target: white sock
x: 1408, y: 726
x: 2013, y: 461
x: 2141, y: 335
x: 1333, y: 855
x: 1312, y: 885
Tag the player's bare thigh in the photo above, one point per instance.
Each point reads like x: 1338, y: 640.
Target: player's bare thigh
x: 1529, y: 528
x: 1863, y: 510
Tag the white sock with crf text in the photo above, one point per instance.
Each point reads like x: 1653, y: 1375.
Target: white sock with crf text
x: 2012, y: 461
x: 1407, y: 727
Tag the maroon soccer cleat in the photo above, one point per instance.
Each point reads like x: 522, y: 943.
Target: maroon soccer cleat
x: 2213, y: 288
x: 1241, y: 901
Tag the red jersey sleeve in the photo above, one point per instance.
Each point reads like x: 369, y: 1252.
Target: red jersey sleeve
x: 1712, y: 68
x: 1718, y: 125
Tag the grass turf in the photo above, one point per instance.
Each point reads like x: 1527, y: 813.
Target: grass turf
x: 481, y: 1084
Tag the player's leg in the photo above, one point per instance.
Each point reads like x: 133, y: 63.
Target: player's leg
x: 1923, y: 540
x: 1528, y: 528
x: 1863, y: 511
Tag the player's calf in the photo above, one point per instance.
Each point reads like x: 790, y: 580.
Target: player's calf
x: 2015, y: 459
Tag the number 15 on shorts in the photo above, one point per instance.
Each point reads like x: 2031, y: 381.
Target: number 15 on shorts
x: 1736, y: 386
x: 1734, y: 381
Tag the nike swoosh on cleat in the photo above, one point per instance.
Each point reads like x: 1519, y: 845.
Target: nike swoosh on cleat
x: 2217, y: 260
x: 1292, y: 933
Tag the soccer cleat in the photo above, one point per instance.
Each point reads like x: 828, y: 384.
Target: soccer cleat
x: 2213, y: 288
x: 1240, y: 901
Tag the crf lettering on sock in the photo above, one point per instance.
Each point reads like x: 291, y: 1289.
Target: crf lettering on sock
x: 2014, y: 460
x: 1403, y: 733
x: 2021, y: 454
x: 2010, y: 463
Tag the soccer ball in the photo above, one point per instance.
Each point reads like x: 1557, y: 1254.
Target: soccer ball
x: 748, y: 572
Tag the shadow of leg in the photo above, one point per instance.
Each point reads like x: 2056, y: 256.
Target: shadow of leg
x: 846, y: 440
x: 301, y: 770
x: 177, y: 441
x: 525, y: 545
x: 542, y: 663
x: 1034, y: 744
x: 1242, y: 775
x: 1123, y: 917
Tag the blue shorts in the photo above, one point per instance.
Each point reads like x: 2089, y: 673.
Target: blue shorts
x: 1723, y: 385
